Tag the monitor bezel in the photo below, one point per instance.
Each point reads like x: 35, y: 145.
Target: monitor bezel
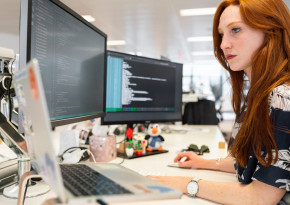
x: 25, y: 51
x: 156, y: 120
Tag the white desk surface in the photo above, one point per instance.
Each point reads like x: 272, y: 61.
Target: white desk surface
x: 157, y: 164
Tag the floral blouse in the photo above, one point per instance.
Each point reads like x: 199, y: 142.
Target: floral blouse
x: 277, y: 174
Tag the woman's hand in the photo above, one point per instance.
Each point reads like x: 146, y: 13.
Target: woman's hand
x: 176, y: 182
x: 191, y: 160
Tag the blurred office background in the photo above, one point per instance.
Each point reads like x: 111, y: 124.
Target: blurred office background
x: 164, y: 29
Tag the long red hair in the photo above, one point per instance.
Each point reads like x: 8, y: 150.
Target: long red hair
x: 270, y: 68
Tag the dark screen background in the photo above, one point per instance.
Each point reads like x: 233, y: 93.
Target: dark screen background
x: 72, y: 61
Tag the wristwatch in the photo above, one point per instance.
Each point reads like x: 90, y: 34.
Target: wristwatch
x: 192, y: 187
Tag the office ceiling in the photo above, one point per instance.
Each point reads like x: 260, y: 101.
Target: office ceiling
x: 152, y: 27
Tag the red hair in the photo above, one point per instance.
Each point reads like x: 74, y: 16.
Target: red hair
x: 270, y: 68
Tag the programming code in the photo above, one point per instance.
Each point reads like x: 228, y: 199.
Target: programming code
x: 71, y: 58
x: 139, y: 85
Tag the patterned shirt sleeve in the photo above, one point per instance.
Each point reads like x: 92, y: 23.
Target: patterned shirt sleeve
x: 278, y: 174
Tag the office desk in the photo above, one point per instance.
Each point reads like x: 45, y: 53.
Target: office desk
x: 157, y: 164
x: 174, y: 142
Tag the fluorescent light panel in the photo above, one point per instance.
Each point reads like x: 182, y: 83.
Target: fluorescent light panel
x: 116, y: 43
x: 197, y: 12
x: 199, y: 38
x: 89, y: 18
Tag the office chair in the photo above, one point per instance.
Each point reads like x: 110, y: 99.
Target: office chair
x: 202, y: 112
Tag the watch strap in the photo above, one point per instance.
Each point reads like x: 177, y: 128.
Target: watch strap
x: 196, y: 179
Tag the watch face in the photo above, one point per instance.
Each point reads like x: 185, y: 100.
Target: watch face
x: 192, y: 188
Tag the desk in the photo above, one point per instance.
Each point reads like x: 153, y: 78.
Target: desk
x: 157, y: 164
x: 174, y: 142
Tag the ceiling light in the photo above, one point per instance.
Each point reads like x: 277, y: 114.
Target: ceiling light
x: 202, y: 53
x: 116, y: 43
x: 89, y: 18
x: 199, y: 38
x: 197, y: 12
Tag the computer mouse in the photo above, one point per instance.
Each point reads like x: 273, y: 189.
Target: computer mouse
x: 183, y: 159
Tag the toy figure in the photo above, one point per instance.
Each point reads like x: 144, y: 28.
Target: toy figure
x: 129, y: 149
x: 138, y: 140
x: 129, y: 133
x: 154, y: 138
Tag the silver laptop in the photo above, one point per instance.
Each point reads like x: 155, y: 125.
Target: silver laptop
x: 30, y: 94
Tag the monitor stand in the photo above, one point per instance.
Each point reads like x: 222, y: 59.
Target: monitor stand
x: 18, y: 144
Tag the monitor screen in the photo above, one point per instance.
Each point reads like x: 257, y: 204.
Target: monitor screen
x: 72, y: 59
x: 142, y: 89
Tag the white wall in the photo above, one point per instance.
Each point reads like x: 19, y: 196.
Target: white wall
x: 9, y: 41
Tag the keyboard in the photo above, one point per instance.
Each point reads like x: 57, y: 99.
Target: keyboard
x: 81, y: 180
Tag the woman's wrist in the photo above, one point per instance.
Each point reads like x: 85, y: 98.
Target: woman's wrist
x: 212, y: 164
x: 218, y: 163
x: 203, y: 164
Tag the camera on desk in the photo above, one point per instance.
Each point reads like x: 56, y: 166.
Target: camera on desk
x: 8, y: 66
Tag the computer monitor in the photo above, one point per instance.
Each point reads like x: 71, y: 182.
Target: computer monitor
x: 72, y: 58
x: 141, y: 89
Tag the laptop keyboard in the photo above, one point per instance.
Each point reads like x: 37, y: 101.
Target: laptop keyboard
x: 82, y: 180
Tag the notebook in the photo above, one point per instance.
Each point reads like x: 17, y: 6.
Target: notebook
x: 31, y: 97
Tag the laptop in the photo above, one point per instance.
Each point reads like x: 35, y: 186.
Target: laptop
x: 29, y: 89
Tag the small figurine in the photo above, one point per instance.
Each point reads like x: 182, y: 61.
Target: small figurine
x: 144, y: 143
x: 138, y: 140
x: 129, y: 149
x: 154, y: 138
x: 129, y: 133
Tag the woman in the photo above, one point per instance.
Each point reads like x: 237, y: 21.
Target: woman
x: 252, y: 42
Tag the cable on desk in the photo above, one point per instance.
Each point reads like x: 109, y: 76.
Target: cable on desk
x: 26, y: 187
x: 73, y: 148
x: 10, y: 99
x: 124, y: 148
x: 65, y: 151
x: 88, y: 150
x: 121, y: 141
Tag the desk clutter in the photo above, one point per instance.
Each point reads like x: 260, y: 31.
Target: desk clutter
x: 8, y: 166
x: 134, y: 153
x: 139, y: 146
x: 100, y: 142
x: 103, y: 148
x: 140, y: 141
x: 100, y: 149
x: 199, y: 151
